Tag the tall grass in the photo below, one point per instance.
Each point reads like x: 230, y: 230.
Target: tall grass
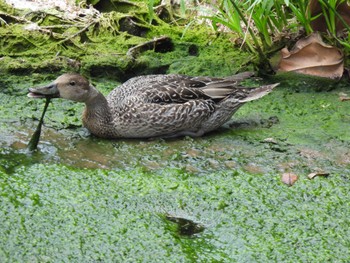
x: 328, y: 10
x: 256, y: 21
x: 302, y: 14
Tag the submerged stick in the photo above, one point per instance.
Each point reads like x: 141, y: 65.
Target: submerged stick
x: 33, y: 143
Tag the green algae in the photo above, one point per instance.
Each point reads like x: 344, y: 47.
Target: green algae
x: 300, y: 124
x: 227, y: 184
x: 56, y: 213
x: 34, y: 140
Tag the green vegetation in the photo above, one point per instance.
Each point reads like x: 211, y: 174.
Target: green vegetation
x: 218, y: 198
x: 54, y: 213
x: 274, y: 22
x: 97, y: 43
x: 98, y: 40
x: 80, y: 198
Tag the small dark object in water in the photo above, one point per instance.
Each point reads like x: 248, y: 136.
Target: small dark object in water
x: 186, y: 227
x: 33, y: 143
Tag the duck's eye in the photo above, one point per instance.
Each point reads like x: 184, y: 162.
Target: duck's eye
x: 72, y: 83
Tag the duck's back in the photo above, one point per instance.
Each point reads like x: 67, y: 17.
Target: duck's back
x: 151, y: 106
x: 174, y: 105
x: 150, y: 85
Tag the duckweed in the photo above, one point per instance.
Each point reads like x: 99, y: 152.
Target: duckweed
x: 55, y: 213
x: 82, y: 199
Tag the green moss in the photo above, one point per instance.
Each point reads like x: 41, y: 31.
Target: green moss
x: 6, y: 8
x: 305, y: 83
x: 103, y: 48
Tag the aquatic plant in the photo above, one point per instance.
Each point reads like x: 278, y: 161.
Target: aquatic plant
x: 33, y: 143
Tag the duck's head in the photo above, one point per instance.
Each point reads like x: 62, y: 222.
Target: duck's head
x: 70, y: 86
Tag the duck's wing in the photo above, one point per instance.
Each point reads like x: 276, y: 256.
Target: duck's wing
x: 180, y: 89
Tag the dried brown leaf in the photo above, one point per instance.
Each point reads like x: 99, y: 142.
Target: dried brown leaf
x: 289, y: 178
x: 312, y: 56
x: 270, y: 140
x: 314, y: 174
x: 343, y: 96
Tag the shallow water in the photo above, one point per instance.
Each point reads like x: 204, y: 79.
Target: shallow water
x: 218, y: 198
x: 281, y: 132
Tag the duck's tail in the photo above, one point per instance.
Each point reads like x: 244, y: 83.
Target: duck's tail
x: 226, y: 90
x: 257, y: 93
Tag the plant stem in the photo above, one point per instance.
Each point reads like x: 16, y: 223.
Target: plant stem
x: 34, y: 140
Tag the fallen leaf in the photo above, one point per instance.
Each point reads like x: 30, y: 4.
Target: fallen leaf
x: 289, y: 178
x: 311, y: 56
x: 270, y: 140
x: 313, y: 175
x: 343, y: 96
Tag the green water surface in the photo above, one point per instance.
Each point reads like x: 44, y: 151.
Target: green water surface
x: 218, y: 198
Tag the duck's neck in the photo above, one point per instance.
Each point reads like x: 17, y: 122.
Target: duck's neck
x: 97, y: 116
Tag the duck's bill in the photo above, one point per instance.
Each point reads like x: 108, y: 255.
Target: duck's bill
x: 48, y: 91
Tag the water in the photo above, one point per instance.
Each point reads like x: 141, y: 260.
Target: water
x: 218, y: 198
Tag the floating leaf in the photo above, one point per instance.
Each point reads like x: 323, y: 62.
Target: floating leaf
x: 313, y: 175
x: 289, y: 178
x: 311, y: 56
x: 344, y: 98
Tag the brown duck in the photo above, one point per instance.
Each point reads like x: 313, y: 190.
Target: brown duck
x: 155, y: 105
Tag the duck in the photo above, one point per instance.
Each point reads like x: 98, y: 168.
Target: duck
x: 164, y: 105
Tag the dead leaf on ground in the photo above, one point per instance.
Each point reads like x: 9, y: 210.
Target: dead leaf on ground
x: 289, y: 178
x: 343, y: 96
x: 311, y: 56
x: 314, y: 174
x: 270, y: 140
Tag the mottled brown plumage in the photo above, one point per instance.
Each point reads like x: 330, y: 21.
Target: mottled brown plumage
x: 155, y: 105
